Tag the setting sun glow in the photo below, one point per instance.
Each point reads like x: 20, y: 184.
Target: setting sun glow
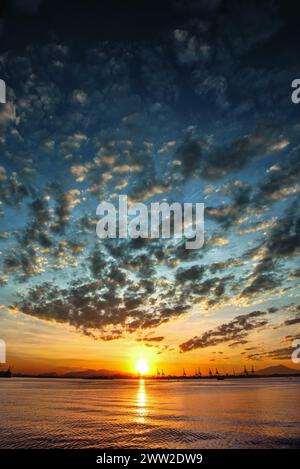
x: 142, y: 367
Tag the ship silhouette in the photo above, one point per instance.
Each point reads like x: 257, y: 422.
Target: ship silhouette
x: 6, y: 374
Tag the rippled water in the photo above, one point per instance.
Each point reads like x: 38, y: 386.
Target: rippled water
x: 47, y: 413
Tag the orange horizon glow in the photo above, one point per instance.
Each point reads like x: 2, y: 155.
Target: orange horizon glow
x: 59, y: 350
x: 149, y: 368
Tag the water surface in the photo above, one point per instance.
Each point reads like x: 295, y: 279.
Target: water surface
x: 60, y: 413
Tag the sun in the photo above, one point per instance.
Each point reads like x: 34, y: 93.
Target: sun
x: 142, y: 367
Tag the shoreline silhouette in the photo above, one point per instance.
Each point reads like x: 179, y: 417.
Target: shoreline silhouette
x: 276, y: 371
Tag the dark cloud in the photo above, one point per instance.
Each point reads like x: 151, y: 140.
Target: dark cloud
x: 235, y: 330
x: 290, y: 322
x: 273, y: 309
x: 284, y: 353
x: 214, y: 162
x: 240, y: 194
x: 190, y: 274
x: 119, y: 297
x: 12, y: 189
x: 238, y: 154
x: 238, y: 342
x: 190, y: 153
x: 282, y: 242
x: 284, y: 238
x: 151, y: 339
x: 282, y: 181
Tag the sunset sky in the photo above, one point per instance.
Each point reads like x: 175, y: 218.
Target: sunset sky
x: 186, y: 102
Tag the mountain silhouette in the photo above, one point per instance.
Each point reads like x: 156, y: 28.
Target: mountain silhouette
x: 277, y: 369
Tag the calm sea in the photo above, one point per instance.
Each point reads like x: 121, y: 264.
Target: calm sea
x: 53, y: 413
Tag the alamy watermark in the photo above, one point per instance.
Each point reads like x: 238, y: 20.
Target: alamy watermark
x: 2, y: 92
x: 296, y: 352
x: 2, y: 351
x: 295, y: 96
x: 156, y: 220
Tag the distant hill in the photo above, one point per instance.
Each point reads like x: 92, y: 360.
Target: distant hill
x: 94, y: 374
x: 277, y: 370
x: 103, y: 373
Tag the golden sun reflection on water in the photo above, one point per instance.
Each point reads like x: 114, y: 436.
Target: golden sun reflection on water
x: 141, y: 401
